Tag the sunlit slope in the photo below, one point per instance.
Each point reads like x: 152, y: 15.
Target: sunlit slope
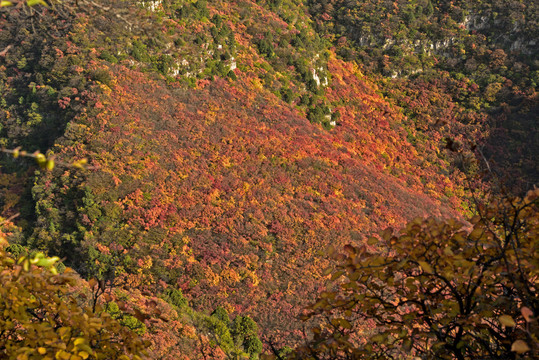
x: 230, y: 195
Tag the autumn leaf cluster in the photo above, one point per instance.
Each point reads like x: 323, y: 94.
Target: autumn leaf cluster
x: 43, y: 318
x: 437, y: 290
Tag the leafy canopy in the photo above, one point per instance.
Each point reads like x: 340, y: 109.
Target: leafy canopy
x: 41, y: 318
x: 437, y: 290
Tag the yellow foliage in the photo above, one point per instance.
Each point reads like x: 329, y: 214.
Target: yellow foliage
x: 40, y: 317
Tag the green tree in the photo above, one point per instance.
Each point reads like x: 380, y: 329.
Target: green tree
x: 245, y: 334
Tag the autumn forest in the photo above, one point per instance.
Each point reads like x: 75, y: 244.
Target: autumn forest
x: 271, y: 179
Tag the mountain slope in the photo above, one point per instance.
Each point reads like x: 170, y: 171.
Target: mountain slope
x: 461, y: 70
x: 229, y: 194
x: 229, y: 151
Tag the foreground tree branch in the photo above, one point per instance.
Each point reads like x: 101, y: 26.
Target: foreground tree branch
x: 443, y: 292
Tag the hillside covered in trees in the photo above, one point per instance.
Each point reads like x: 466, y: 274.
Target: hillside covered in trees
x: 201, y: 164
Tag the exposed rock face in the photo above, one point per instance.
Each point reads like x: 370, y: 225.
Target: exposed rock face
x: 475, y: 22
x: 516, y: 39
x: 152, y: 5
x: 514, y: 35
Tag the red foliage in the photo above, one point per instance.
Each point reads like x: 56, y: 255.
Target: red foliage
x: 246, y: 193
